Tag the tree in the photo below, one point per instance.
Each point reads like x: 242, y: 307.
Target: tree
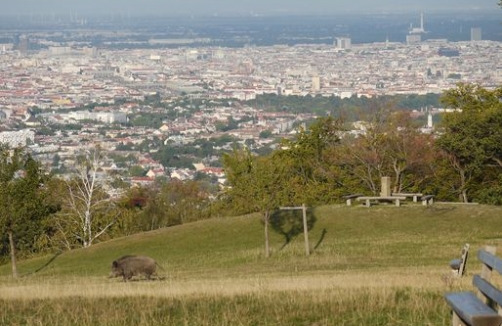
x: 410, y: 152
x: 471, y: 136
x: 255, y: 184
x: 389, y: 144
x: 365, y: 157
x: 23, y: 204
x: 307, y: 161
x: 175, y: 202
x: 88, y: 212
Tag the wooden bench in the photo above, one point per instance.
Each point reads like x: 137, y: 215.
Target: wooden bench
x: 408, y: 195
x: 368, y: 200
x: 479, y: 309
x: 427, y: 200
x: 349, y: 198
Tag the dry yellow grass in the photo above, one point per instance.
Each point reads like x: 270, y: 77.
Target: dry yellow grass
x: 174, y: 287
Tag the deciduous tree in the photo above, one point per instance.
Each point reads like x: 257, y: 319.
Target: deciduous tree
x: 255, y: 184
x: 23, y: 201
x: 471, y: 136
x: 88, y: 211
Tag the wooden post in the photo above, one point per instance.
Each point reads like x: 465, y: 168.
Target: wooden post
x: 463, y: 258
x: 305, y: 230
x: 305, y: 226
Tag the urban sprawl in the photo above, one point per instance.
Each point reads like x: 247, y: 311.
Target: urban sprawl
x: 62, y: 81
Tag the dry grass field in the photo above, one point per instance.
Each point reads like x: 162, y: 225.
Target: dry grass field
x: 379, y: 266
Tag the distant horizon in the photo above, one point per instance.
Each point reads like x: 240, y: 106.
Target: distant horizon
x: 228, y: 8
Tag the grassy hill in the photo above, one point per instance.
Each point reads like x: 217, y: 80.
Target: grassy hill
x: 380, y: 265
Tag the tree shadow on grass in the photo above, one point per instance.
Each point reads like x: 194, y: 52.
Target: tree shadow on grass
x: 44, y: 265
x: 321, y: 239
x: 289, y: 223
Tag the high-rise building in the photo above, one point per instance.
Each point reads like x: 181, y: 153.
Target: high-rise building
x: 24, y: 44
x: 316, y: 84
x: 476, y: 34
x: 413, y: 38
x: 343, y: 43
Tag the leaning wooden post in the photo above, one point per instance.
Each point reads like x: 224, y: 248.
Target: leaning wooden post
x: 305, y: 230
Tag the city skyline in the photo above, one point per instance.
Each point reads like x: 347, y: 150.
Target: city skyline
x: 228, y: 7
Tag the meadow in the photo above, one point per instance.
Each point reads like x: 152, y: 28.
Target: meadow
x: 382, y: 265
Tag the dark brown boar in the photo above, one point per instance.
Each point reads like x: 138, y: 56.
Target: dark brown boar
x: 129, y: 266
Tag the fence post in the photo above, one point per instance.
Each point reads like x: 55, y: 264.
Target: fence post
x: 305, y: 230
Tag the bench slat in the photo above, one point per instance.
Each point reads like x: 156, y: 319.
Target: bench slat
x: 380, y: 198
x: 490, y: 260
x: 487, y: 289
x: 472, y: 310
x: 352, y: 196
x: 368, y: 199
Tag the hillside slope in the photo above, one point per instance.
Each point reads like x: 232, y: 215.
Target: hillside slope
x: 354, y: 238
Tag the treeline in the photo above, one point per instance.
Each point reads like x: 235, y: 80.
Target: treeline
x: 350, y: 109
x: 460, y: 161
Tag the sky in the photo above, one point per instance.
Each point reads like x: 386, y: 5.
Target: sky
x: 239, y: 7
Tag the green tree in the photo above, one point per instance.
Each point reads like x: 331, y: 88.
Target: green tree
x: 137, y: 171
x: 308, y: 161
x: 23, y: 201
x: 471, y: 136
x: 175, y: 202
x: 258, y: 184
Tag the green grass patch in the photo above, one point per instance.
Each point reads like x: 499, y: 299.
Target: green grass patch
x: 382, y: 265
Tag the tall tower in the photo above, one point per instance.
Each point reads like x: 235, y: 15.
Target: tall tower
x: 418, y: 30
x: 422, y: 22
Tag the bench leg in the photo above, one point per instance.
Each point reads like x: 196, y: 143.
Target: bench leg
x: 424, y: 202
x: 368, y: 203
x: 415, y: 199
x: 349, y: 202
x: 398, y: 202
x: 456, y: 321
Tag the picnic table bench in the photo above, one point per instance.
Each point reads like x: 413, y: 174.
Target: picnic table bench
x: 349, y: 198
x: 427, y: 200
x: 480, y: 308
x: 369, y: 199
x: 412, y: 195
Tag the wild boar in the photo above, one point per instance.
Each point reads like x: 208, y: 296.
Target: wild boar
x: 129, y: 266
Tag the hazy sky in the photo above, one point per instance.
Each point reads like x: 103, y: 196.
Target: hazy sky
x: 225, y: 7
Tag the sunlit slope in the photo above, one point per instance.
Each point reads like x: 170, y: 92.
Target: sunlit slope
x: 342, y: 239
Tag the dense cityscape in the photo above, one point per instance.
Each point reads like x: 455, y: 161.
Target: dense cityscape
x: 89, y: 80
